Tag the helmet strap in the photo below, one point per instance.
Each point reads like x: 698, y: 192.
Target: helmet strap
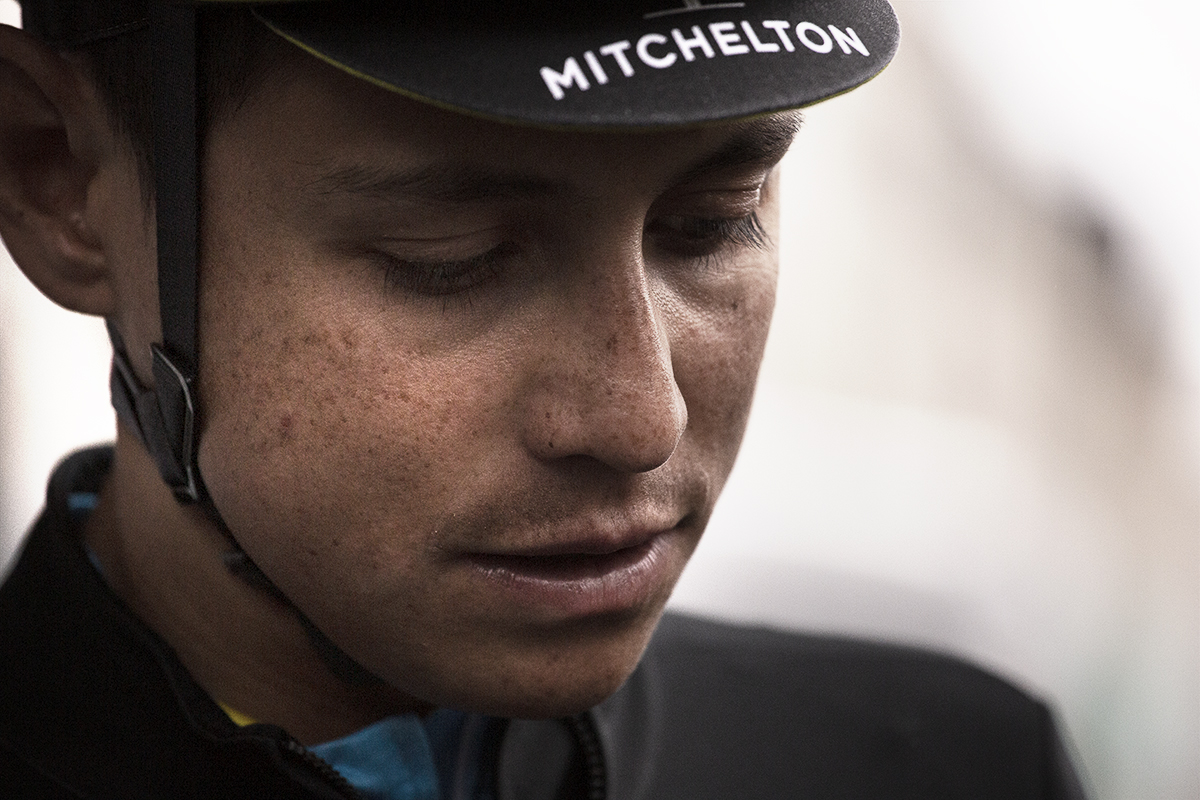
x: 165, y: 417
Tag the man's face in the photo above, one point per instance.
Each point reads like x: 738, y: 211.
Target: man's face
x: 471, y: 390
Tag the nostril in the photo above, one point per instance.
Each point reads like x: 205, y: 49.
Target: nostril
x: 630, y: 431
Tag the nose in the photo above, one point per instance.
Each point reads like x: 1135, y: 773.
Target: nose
x: 606, y: 387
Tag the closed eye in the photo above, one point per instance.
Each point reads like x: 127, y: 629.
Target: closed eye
x: 442, y: 278
x: 699, y: 237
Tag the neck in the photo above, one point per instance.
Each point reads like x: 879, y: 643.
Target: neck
x: 246, y: 648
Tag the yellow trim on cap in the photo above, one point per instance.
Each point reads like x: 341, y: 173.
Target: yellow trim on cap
x: 382, y: 84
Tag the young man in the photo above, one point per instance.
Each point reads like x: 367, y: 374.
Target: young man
x: 436, y: 331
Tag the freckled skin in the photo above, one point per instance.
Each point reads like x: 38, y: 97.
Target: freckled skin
x: 359, y: 439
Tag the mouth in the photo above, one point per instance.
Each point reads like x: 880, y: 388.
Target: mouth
x: 586, y: 578
x: 568, y: 566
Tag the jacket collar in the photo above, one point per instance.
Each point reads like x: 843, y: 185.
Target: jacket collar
x: 95, y: 700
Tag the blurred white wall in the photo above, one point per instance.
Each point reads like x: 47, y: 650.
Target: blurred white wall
x: 53, y: 387
x: 977, y: 423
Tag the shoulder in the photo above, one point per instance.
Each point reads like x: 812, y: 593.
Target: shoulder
x: 737, y: 711
x: 749, y: 661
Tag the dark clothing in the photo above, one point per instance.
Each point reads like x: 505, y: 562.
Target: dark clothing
x: 95, y: 705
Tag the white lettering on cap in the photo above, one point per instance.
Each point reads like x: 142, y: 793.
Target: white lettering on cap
x: 594, y: 65
x: 759, y: 46
x: 848, y: 39
x: 729, y: 43
x: 780, y: 27
x: 572, y: 74
x: 616, y: 51
x: 803, y: 29
x: 648, y: 58
x: 686, y: 46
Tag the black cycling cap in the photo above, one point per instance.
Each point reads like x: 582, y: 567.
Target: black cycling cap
x: 628, y: 63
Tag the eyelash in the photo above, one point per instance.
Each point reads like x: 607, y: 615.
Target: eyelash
x: 443, y: 278
x: 700, y: 238
x: 704, y: 237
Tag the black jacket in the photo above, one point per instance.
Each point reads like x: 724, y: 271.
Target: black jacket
x: 94, y: 705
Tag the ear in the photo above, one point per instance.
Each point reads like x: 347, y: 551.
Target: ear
x: 54, y: 139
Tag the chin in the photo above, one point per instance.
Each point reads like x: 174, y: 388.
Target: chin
x: 561, y: 700
x: 559, y: 673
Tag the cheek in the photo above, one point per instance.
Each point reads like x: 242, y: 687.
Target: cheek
x: 716, y: 349
x: 321, y: 430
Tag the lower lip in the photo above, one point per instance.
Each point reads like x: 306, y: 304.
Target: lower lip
x: 584, y: 585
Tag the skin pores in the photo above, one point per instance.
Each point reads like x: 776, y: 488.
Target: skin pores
x: 470, y: 390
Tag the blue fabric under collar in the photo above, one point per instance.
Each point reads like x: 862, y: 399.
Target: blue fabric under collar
x: 390, y: 760
x: 444, y: 756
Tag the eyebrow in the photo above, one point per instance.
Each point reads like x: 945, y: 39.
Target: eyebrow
x: 762, y: 141
x: 436, y: 182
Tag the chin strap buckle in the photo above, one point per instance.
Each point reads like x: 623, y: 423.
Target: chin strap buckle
x: 178, y: 410
x: 164, y: 417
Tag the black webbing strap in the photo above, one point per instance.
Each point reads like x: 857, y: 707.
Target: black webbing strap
x: 176, y: 150
x: 165, y: 417
x: 176, y: 166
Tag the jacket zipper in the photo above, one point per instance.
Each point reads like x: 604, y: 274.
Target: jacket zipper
x: 324, y: 769
x: 584, y: 728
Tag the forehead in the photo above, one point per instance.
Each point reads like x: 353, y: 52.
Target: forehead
x: 318, y: 120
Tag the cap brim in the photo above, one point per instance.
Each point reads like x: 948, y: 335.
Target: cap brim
x: 654, y: 63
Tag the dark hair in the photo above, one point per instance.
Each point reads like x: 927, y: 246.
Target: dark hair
x: 235, y: 52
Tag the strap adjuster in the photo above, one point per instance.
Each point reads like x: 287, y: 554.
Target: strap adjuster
x: 164, y: 417
x: 178, y: 412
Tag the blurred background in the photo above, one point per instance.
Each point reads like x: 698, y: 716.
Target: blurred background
x: 978, y: 422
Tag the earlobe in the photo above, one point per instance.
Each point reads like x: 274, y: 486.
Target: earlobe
x: 51, y: 131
